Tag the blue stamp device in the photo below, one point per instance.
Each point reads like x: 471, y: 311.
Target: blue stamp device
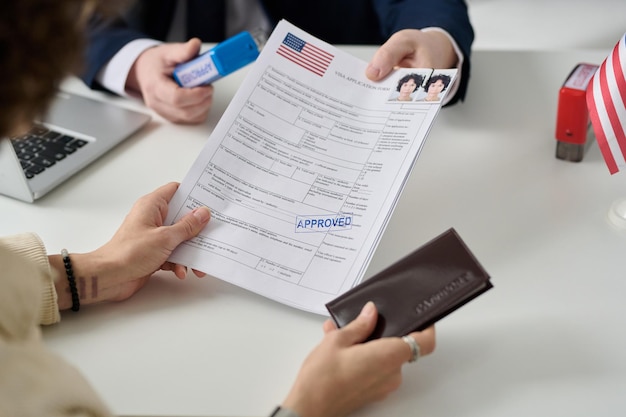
x: 224, y: 58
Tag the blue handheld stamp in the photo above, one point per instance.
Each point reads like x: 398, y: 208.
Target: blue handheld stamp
x: 224, y: 58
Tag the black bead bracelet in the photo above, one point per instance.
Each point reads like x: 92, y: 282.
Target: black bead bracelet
x: 71, y: 280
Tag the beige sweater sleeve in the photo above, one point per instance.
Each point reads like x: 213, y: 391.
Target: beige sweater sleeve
x: 33, y: 381
x: 30, y: 247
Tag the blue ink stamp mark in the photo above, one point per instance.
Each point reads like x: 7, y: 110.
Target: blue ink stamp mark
x: 324, y: 223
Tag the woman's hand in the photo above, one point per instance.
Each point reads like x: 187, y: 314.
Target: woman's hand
x: 140, y: 247
x: 343, y: 374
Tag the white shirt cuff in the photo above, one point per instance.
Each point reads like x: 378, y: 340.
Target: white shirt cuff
x: 457, y: 81
x: 113, y: 75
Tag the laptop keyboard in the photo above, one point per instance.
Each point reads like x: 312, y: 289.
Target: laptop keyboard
x: 42, y: 148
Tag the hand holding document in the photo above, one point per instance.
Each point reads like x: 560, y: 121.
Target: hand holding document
x: 303, y: 171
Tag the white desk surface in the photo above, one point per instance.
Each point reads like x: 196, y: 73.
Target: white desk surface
x: 548, y: 340
x: 542, y: 25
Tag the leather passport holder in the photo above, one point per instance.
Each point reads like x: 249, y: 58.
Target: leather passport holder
x: 418, y: 290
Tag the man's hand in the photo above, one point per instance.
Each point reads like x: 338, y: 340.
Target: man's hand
x: 412, y: 48
x: 151, y: 77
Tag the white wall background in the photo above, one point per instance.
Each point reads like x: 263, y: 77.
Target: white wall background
x: 547, y: 24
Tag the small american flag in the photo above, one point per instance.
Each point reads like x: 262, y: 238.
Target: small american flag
x: 606, y: 100
x: 305, y: 54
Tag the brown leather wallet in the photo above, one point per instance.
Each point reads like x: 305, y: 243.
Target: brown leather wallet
x: 418, y: 290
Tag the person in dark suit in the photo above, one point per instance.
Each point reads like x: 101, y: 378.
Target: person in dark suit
x: 135, y: 54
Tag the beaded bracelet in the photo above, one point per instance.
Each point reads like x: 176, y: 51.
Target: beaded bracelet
x: 71, y: 280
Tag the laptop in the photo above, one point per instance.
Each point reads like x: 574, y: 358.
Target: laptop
x: 76, y: 132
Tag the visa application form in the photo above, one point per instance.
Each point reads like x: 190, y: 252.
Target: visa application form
x: 303, y: 171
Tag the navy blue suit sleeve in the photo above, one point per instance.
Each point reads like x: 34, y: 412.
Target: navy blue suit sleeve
x: 335, y: 21
x: 104, y: 40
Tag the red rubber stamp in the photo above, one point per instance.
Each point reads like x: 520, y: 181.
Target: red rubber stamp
x: 573, y: 126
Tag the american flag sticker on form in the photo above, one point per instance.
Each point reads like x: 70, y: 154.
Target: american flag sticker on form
x: 305, y: 54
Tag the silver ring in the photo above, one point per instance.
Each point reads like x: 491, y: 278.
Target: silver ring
x: 415, y: 348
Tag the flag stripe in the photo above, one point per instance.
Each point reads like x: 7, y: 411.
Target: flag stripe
x: 618, y: 111
x: 293, y: 56
x: 606, y: 100
x: 610, y: 107
x: 618, y: 69
x: 320, y: 54
x: 600, y: 137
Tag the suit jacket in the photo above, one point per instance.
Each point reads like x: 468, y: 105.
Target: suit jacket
x: 355, y: 22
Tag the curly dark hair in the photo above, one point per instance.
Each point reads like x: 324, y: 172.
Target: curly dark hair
x: 41, y: 42
x: 445, y: 79
x: 418, y: 79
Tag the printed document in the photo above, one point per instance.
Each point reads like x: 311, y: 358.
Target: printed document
x: 304, y: 169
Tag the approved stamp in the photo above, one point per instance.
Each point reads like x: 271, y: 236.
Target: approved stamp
x: 324, y: 223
